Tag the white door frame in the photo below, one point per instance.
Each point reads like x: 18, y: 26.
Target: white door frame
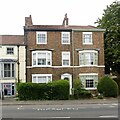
x: 69, y: 76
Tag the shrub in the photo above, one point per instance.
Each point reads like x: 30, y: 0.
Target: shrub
x: 108, y: 87
x: 34, y: 91
x: 77, y: 88
x: 79, y: 92
x: 60, y: 89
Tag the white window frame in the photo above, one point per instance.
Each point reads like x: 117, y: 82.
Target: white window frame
x: 10, y: 52
x: 64, y: 58
x: 85, y: 41
x: 89, y: 76
x: 84, y: 61
x: 12, y: 70
x: 48, y: 78
x: 62, y: 37
x: 42, y: 32
x: 48, y: 58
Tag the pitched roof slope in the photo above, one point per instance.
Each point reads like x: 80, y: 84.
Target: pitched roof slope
x: 12, y: 39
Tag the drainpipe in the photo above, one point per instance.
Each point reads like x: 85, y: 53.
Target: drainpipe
x: 73, y: 61
x: 18, y: 65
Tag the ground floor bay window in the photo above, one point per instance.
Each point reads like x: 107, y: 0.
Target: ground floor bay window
x: 8, y: 76
x: 41, y: 78
x: 89, y: 81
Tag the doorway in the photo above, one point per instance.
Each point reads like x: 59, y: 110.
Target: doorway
x: 68, y: 77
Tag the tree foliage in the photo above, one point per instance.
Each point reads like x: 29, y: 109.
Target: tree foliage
x: 111, y: 22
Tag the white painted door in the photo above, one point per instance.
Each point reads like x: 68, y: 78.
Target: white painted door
x: 68, y: 77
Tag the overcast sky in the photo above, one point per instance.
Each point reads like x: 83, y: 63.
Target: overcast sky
x: 48, y: 12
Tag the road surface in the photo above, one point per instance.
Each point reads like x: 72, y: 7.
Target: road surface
x: 61, y: 111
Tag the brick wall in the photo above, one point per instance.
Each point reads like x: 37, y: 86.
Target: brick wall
x: 54, y: 43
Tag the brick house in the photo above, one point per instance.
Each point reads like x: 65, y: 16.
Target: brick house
x: 12, y: 63
x: 64, y: 52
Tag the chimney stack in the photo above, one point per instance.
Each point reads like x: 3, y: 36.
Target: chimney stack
x: 65, y: 21
x: 28, y: 21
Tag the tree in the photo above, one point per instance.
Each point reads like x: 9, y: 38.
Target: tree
x: 111, y: 22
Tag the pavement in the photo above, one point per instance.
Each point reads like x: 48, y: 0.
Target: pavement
x: 13, y: 101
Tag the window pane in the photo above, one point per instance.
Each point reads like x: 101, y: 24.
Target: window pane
x: 34, y: 80
x: 66, y: 58
x: 89, y: 83
x: 65, y: 62
x: 34, y: 58
x: 10, y: 51
x: 6, y: 70
x: 13, y: 70
x: 41, y: 58
x: 65, y: 37
x: 42, y: 79
x: 42, y: 37
x: 88, y: 58
x: 41, y: 61
x: 87, y: 37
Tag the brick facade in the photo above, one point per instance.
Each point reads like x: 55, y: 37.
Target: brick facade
x: 56, y: 47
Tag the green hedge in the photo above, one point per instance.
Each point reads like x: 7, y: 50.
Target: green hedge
x: 56, y: 90
x: 108, y: 87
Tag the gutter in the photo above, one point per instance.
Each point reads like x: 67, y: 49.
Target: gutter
x: 90, y: 30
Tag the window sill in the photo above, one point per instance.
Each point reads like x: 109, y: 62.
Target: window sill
x: 41, y: 66
x: 88, y: 65
x: 87, y: 43
x: 91, y: 88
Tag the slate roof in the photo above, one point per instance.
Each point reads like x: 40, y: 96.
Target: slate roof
x: 12, y: 39
x: 61, y: 27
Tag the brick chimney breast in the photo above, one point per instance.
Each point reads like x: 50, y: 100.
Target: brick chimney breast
x: 28, y: 21
x: 65, y: 21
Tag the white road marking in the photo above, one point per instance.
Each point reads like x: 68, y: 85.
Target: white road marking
x: 115, y: 104
x: 108, y: 116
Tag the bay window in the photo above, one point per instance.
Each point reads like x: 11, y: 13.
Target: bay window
x: 89, y: 80
x: 88, y: 57
x: 41, y: 58
x: 7, y: 70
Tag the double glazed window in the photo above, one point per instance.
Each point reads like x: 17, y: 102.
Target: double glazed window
x: 41, y: 37
x: 41, y: 58
x: 65, y: 37
x: 89, y: 81
x: 41, y: 78
x: 10, y: 50
x: 7, y: 70
x: 88, y: 57
x: 87, y: 37
x: 65, y: 58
